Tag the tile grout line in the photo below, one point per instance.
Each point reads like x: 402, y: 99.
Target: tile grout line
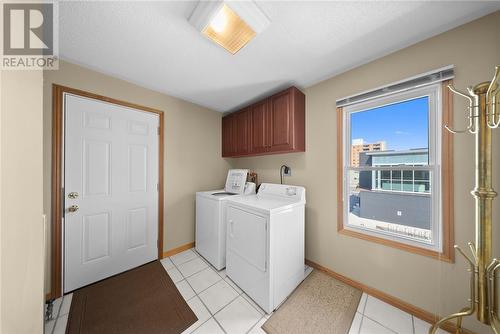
x: 196, y: 294
x: 366, y: 302
x: 219, y: 324
x: 212, y: 316
x: 240, y: 294
x: 197, y: 327
x: 385, y: 326
x: 261, y: 312
x: 209, y: 266
x: 360, y: 323
x: 390, y: 329
x: 170, y: 258
x: 362, y: 313
x: 254, y: 325
x: 176, y: 267
x: 57, y: 317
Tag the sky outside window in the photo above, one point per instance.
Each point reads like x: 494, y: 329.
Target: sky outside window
x: 403, y: 125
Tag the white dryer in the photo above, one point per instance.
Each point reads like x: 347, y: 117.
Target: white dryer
x: 265, y: 243
x: 210, y: 233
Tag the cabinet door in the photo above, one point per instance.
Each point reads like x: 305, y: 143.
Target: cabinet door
x: 281, y: 122
x: 259, y: 137
x: 228, y: 133
x: 240, y: 135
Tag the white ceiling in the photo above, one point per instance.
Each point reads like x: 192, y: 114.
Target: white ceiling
x: 153, y: 45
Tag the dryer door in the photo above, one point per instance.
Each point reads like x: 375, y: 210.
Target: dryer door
x: 247, y: 253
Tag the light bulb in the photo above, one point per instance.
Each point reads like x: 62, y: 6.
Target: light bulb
x: 219, y: 21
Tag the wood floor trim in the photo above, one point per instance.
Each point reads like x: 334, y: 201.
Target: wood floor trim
x: 177, y: 250
x: 396, y: 302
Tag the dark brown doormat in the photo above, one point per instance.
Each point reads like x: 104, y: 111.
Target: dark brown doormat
x: 320, y: 305
x: 141, y: 300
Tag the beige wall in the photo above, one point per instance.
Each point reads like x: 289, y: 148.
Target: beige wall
x: 192, y: 145
x: 21, y: 222
x: 421, y: 281
x: 193, y: 163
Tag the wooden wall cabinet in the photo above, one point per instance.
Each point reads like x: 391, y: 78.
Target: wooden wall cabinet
x: 271, y: 126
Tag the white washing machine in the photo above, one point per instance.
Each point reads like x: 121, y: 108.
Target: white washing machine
x: 210, y: 240
x: 265, y: 243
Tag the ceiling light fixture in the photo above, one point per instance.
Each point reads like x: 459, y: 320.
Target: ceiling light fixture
x: 219, y: 21
x: 230, y: 24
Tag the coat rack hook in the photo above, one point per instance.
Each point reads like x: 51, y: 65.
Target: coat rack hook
x: 493, y: 98
x: 472, y: 122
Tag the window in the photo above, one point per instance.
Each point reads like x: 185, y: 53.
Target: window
x: 392, y: 182
x: 411, y: 181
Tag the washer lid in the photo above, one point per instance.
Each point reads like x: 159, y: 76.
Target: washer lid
x: 223, y: 193
x: 235, y: 182
x: 263, y: 205
x: 272, y: 198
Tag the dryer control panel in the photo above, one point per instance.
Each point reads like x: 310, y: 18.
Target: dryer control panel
x: 289, y: 192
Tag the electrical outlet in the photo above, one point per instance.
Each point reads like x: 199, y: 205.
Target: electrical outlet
x: 287, y: 171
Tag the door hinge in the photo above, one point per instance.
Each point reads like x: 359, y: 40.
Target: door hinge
x: 157, y: 187
x: 158, y: 130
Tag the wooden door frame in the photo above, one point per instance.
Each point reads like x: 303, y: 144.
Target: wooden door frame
x: 57, y: 194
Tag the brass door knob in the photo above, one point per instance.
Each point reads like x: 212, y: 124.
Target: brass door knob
x: 73, y: 208
x: 73, y: 195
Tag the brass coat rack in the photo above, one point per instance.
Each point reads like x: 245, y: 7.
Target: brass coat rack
x: 484, y: 116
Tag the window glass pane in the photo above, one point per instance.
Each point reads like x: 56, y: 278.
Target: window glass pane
x: 407, y: 185
x: 408, y: 175
x: 396, y: 185
x: 421, y: 175
x: 401, y: 213
x: 386, y: 184
x: 396, y: 175
x: 422, y: 186
x: 386, y: 174
x: 394, y: 134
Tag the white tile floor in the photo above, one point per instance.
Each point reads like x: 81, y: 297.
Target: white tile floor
x: 60, y: 312
x: 374, y: 316
x: 221, y: 307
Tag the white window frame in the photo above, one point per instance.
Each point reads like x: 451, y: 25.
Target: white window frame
x: 433, y: 92
x: 378, y: 187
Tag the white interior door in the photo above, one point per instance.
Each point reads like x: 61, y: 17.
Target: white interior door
x: 111, y: 179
